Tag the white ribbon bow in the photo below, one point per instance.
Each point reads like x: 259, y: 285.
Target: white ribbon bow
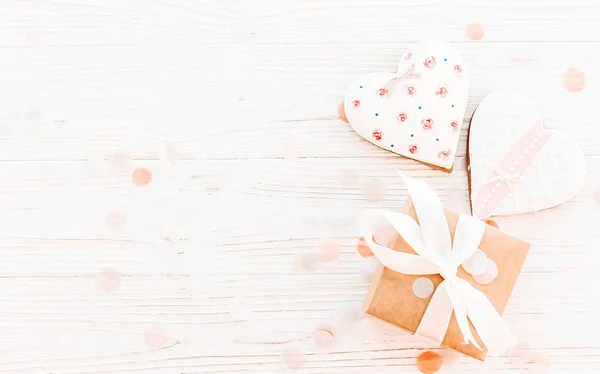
x: 436, y: 254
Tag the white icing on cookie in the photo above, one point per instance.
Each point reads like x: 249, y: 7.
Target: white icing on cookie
x: 418, y: 116
x: 540, y: 168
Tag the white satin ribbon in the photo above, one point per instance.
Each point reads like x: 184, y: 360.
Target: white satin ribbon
x: 436, y: 254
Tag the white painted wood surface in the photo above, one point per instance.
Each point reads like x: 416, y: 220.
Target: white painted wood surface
x: 234, y: 86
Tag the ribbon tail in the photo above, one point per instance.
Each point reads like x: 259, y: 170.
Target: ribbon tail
x: 435, y: 321
x: 460, y: 312
x: 488, y: 323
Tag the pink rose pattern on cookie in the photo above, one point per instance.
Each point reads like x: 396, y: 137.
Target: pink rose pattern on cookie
x: 427, y: 124
x: 443, y: 155
x: 429, y: 62
x: 454, y: 126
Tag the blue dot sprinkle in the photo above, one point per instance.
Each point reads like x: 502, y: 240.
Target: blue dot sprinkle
x: 376, y: 114
x: 437, y: 139
x: 412, y: 135
x: 452, y: 105
x: 391, y: 145
x: 445, y: 59
x: 419, y: 107
x: 360, y: 86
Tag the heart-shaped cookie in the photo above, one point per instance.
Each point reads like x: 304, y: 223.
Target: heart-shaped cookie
x: 515, y: 165
x: 417, y: 112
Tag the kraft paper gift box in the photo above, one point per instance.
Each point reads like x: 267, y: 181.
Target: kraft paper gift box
x: 391, y: 296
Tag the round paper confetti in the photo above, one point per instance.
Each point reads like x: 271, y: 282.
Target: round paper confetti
x: 429, y: 362
x: 120, y: 161
x: 491, y: 223
x: 349, y: 314
x: 521, y: 353
x: 383, y: 235
x: 490, y: 273
x: 574, y: 80
x: 368, y: 269
x: 541, y: 364
x: 363, y: 248
x: 477, y: 264
x: 109, y: 279
x: 329, y: 250
x: 141, y: 176
x: 291, y: 151
x: 342, y: 112
x: 475, y: 31
x: 293, y: 357
x: 324, y: 337
x: 168, y: 154
x: 156, y: 337
x: 422, y: 287
x: 374, y: 190
x: 450, y: 357
x: 348, y: 177
x: 306, y: 263
x: 115, y: 221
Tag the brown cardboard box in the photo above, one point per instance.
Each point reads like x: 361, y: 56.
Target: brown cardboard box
x: 391, y: 298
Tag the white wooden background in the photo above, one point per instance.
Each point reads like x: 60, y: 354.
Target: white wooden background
x: 244, y: 95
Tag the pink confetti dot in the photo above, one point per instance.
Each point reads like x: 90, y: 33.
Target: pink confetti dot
x: 521, y: 353
x: 120, y: 161
x: 156, y: 337
x: 293, y: 358
x: 384, y: 234
x: 329, y: 250
x: 476, y: 264
x: 348, y: 177
x: 363, y: 248
x: 291, y: 151
x: 342, y: 112
x: 574, y: 80
x: 141, y: 177
x: 490, y: 273
x: 475, y: 31
x: 422, y: 287
x: 306, y: 263
x: 168, y: 153
x: 349, y: 314
x: 374, y: 190
x: 109, y: 279
x: 115, y: 221
x: 324, y: 336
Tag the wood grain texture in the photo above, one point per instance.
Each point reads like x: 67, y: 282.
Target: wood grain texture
x: 246, y: 93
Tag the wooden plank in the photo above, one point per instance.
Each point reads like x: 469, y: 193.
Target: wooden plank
x: 67, y: 104
x: 284, y: 22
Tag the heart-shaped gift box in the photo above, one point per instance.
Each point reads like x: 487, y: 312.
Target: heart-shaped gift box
x: 418, y: 111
